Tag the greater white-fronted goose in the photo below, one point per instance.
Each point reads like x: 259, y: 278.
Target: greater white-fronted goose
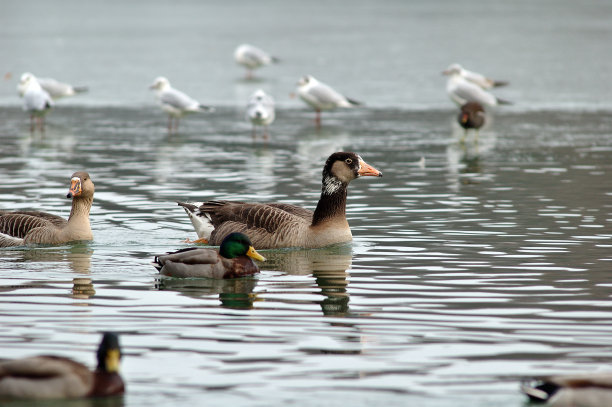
x: 275, y: 225
x: 232, y: 260
x: 584, y: 390
x: 321, y: 96
x: 18, y: 228
x: 55, y: 377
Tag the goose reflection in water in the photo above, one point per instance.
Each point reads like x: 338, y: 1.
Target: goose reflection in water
x: 327, y: 265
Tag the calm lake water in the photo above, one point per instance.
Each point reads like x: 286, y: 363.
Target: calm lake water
x: 483, y: 263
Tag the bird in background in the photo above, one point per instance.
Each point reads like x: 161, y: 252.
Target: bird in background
x: 477, y: 78
x: 461, y: 90
x: 472, y: 116
x: 174, y: 102
x: 252, y: 58
x: 53, y: 87
x: 260, y: 111
x: 321, y: 96
x: 36, y: 101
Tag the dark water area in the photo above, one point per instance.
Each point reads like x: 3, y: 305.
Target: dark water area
x: 473, y: 263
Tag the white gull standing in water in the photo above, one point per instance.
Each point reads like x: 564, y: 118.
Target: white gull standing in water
x: 260, y: 111
x: 252, y: 58
x: 321, y: 96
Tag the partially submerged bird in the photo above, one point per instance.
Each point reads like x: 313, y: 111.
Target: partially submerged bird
x: 18, y: 228
x: 475, y: 77
x: 260, y: 111
x: 56, y: 377
x: 277, y: 225
x: 53, y: 87
x: 234, y: 259
x: 461, y: 90
x: 252, y: 58
x: 321, y: 96
x: 174, y: 102
x: 584, y: 390
x: 36, y: 101
x: 472, y: 116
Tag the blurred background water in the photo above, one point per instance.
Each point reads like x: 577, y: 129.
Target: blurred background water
x: 488, y: 263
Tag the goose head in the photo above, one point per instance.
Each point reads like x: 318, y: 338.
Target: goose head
x: 81, y: 186
x: 343, y: 167
x: 238, y: 244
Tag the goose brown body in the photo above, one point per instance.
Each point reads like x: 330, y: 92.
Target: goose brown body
x: 55, y: 377
x: 273, y: 225
x: 19, y: 228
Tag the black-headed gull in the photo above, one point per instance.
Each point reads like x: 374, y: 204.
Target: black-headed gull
x: 320, y: 96
x: 472, y: 116
x: 477, y: 78
x: 252, y: 58
x: 461, y: 91
x: 260, y: 111
x: 174, y: 102
x: 53, y: 87
x: 36, y: 101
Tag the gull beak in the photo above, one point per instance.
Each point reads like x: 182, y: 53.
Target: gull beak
x: 366, y: 170
x: 75, y: 187
x: 253, y: 254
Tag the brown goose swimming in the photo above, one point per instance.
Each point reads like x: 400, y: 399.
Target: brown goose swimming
x: 18, y: 228
x: 275, y: 225
x: 55, y: 377
x: 585, y: 390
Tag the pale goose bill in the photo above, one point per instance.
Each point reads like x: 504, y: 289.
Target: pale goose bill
x: 252, y: 58
x: 320, y: 96
x: 277, y: 225
x: 56, y: 377
x: 260, y: 112
x: 471, y: 116
x: 233, y: 259
x: 175, y: 103
x: 475, y: 77
x: 584, y: 390
x: 19, y: 228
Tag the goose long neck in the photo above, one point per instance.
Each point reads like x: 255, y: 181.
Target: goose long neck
x: 332, y: 203
x: 80, y: 209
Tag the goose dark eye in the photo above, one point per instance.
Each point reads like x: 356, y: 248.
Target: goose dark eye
x: 349, y: 161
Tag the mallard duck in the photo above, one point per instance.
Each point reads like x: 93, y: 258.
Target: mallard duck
x: 275, y: 225
x: 472, y: 116
x: 321, y: 96
x: 260, y: 111
x: 19, y: 228
x: 174, y: 102
x: 584, y: 390
x: 252, y: 58
x: 475, y: 77
x: 55, y: 377
x: 232, y: 260
x: 461, y: 90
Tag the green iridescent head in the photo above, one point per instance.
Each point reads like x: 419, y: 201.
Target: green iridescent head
x: 238, y: 244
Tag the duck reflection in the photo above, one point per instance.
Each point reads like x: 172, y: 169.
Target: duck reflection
x: 328, y: 266
x: 236, y: 293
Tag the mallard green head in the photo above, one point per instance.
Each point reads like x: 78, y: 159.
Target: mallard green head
x: 109, y: 353
x: 238, y: 244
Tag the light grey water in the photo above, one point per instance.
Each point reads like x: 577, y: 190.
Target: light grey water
x: 489, y: 263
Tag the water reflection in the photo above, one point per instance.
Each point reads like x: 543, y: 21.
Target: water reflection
x: 327, y: 265
x: 234, y: 293
x: 118, y: 401
x: 77, y: 257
